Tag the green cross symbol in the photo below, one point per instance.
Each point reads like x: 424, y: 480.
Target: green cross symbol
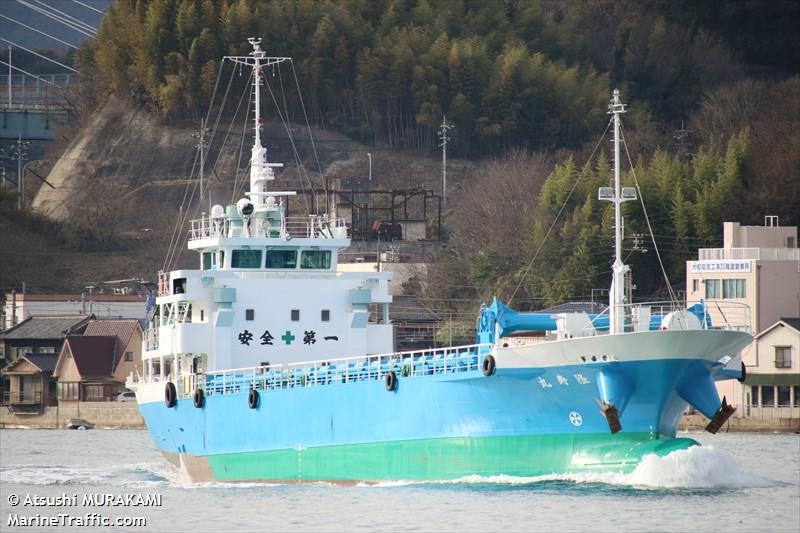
x: 288, y: 337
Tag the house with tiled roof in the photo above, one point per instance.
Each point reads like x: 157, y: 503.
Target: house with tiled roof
x: 128, y: 352
x: 94, y: 366
x: 85, y: 369
x: 37, y: 335
x: 31, y: 384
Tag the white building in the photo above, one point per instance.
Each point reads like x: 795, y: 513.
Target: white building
x: 755, y: 278
x: 18, y: 307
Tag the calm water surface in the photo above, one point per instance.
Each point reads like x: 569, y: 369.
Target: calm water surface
x: 736, y: 482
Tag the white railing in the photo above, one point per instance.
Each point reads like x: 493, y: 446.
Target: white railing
x: 409, y: 364
x: 722, y: 314
x: 767, y: 254
x: 151, y: 339
x: 299, y: 227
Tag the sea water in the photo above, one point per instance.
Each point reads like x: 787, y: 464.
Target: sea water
x: 734, y: 482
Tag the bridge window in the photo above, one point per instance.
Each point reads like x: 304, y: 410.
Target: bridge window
x: 246, y: 259
x: 281, y: 258
x: 209, y: 260
x: 315, y: 259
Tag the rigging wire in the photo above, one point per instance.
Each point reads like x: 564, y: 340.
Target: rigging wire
x: 563, y: 206
x: 308, y: 125
x: 672, y: 295
x: 295, y: 153
x: 237, y: 187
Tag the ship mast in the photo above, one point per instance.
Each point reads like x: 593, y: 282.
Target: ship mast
x: 617, y: 196
x: 260, y: 170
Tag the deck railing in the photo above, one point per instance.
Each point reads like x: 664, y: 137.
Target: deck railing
x: 721, y: 314
x: 434, y: 361
x: 296, y: 227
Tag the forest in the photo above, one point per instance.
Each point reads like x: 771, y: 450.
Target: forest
x: 712, y: 125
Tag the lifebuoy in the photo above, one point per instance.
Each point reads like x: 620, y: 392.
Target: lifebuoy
x: 170, y: 394
x: 252, y: 399
x: 488, y: 365
x: 199, y: 398
x: 391, y: 381
x: 744, y: 374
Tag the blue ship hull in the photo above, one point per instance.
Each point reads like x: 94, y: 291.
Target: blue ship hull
x: 519, y: 421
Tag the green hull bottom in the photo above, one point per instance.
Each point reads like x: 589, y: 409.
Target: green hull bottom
x: 436, y: 459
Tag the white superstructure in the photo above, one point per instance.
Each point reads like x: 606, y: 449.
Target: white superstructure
x: 267, y: 291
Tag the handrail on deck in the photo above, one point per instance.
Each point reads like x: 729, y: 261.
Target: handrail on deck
x: 336, y: 371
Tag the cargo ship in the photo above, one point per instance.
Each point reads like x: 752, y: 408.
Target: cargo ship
x: 267, y: 363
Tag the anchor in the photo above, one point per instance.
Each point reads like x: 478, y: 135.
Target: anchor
x: 722, y: 415
x: 611, y: 415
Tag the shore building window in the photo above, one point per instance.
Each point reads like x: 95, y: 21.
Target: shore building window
x: 695, y: 285
x: 796, y: 390
x: 320, y: 259
x: 713, y: 289
x: 281, y: 258
x: 784, y: 396
x: 68, y: 391
x: 733, y: 288
x: 129, y: 356
x: 783, y: 357
x: 768, y: 396
x: 246, y: 259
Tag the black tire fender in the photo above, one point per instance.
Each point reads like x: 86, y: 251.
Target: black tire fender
x: 488, y: 366
x: 391, y: 381
x: 253, y: 399
x: 199, y: 398
x: 170, y: 395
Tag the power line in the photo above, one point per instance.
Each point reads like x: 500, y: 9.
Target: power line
x: 40, y: 55
x: 39, y: 31
x: 88, y: 6
x: 76, y: 21
x: 56, y: 18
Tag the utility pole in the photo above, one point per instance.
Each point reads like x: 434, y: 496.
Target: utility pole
x: 9, y: 77
x: 444, y: 127
x: 20, y: 150
x: 369, y: 156
x: 201, y: 145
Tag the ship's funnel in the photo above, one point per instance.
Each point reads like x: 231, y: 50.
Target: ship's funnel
x: 615, y: 390
x: 701, y: 393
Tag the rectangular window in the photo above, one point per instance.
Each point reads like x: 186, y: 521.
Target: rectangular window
x: 796, y: 395
x: 733, y: 288
x: 790, y: 242
x: 326, y: 315
x: 713, y: 289
x: 784, y: 399
x: 783, y: 357
x: 221, y: 263
x: 767, y: 396
x: 93, y: 393
x: 206, y: 260
x: 246, y: 259
x: 67, y: 391
x: 695, y: 285
x: 315, y: 259
x: 249, y: 314
x: 295, y: 315
x: 129, y: 356
x: 277, y: 258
